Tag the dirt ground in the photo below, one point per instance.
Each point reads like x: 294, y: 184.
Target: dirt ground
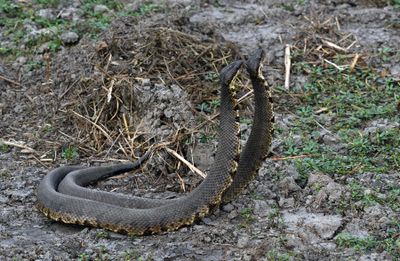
x: 58, y: 113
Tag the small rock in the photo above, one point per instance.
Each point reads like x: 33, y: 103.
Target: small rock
x: 375, y: 256
x: 69, y: 37
x: 233, y: 214
x: 132, y: 7
x: 288, y: 185
x: 168, y: 113
x: 228, y: 208
x: 46, y: 13
x: 207, y: 239
x: 243, y: 241
x: 286, y: 202
x: 43, y: 48
x: 291, y: 171
x: 100, y: 9
x: 208, y: 221
x: 183, y: 230
x: 69, y: 13
x: 202, y: 156
x: 262, y: 208
x: 355, y: 228
x: 377, y: 216
x: 330, y: 139
x: 36, y: 34
x: 116, y: 236
x: 320, y: 180
x: 3, y: 200
x: 395, y: 71
x: 302, y: 222
x: 21, y: 60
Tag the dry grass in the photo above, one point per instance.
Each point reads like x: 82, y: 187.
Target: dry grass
x: 104, y: 114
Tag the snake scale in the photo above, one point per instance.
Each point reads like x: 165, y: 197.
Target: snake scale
x: 62, y: 197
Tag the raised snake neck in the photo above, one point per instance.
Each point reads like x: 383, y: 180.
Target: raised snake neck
x: 250, y: 158
x: 138, y: 215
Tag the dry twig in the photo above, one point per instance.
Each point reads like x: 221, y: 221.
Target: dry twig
x: 287, y: 66
x: 187, y: 163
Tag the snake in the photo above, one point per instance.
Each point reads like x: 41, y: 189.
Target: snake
x: 228, y: 175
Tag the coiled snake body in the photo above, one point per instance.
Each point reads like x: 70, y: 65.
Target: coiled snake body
x: 61, y: 196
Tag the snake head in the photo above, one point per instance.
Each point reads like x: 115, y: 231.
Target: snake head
x: 229, y: 72
x: 254, y: 61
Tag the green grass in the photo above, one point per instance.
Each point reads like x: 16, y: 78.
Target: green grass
x: 209, y: 106
x: 15, y: 15
x: 345, y: 103
x: 70, y: 153
x: 248, y: 217
x: 274, y: 255
x: 390, y: 242
x: 396, y: 3
x: 3, y: 148
x: 350, y: 101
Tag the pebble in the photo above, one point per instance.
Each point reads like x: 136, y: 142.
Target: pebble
x: 100, y: 9
x: 288, y: 186
x: 286, y: 202
x: 69, y: 37
x: 243, y: 241
x: 262, y: 208
x: 228, y: 208
x: 46, y: 13
x: 69, y: 13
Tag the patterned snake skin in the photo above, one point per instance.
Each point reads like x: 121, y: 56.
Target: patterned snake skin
x: 63, y: 197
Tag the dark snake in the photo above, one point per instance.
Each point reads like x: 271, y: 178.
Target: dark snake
x: 62, y: 197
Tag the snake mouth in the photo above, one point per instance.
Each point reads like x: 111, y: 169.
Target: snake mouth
x: 254, y: 61
x: 229, y: 72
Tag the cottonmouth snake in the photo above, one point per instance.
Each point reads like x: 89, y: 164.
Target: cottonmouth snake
x: 61, y: 195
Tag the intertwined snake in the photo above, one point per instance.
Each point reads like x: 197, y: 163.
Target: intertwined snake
x: 62, y: 197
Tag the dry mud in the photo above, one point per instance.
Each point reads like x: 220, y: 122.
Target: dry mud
x: 273, y: 218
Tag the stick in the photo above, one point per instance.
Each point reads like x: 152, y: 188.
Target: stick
x: 94, y: 124
x: 354, y: 61
x: 340, y: 68
x: 187, y: 163
x: 292, y: 157
x: 14, y: 144
x: 334, y: 46
x: 287, y: 66
x: 9, y: 80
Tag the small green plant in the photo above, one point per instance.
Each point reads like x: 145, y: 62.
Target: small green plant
x: 288, y: 7
x: 275, y: 220
x: 209, y: 106
x: 46, y: 3
x: 247, y: 215
x: 274, y: 255
x: 211, y: 77
x: 102, y: 253
x: 389, y: 242
x: 131, y: 255
x: 205, y: 138
x: 32, y: 65
x: 103, y: 234
x: 3, y: 148
x: 143, y: 10
x: 83, y: 257
x: 358, y: 243
x: 70, y: 153
x: 9, y: 7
